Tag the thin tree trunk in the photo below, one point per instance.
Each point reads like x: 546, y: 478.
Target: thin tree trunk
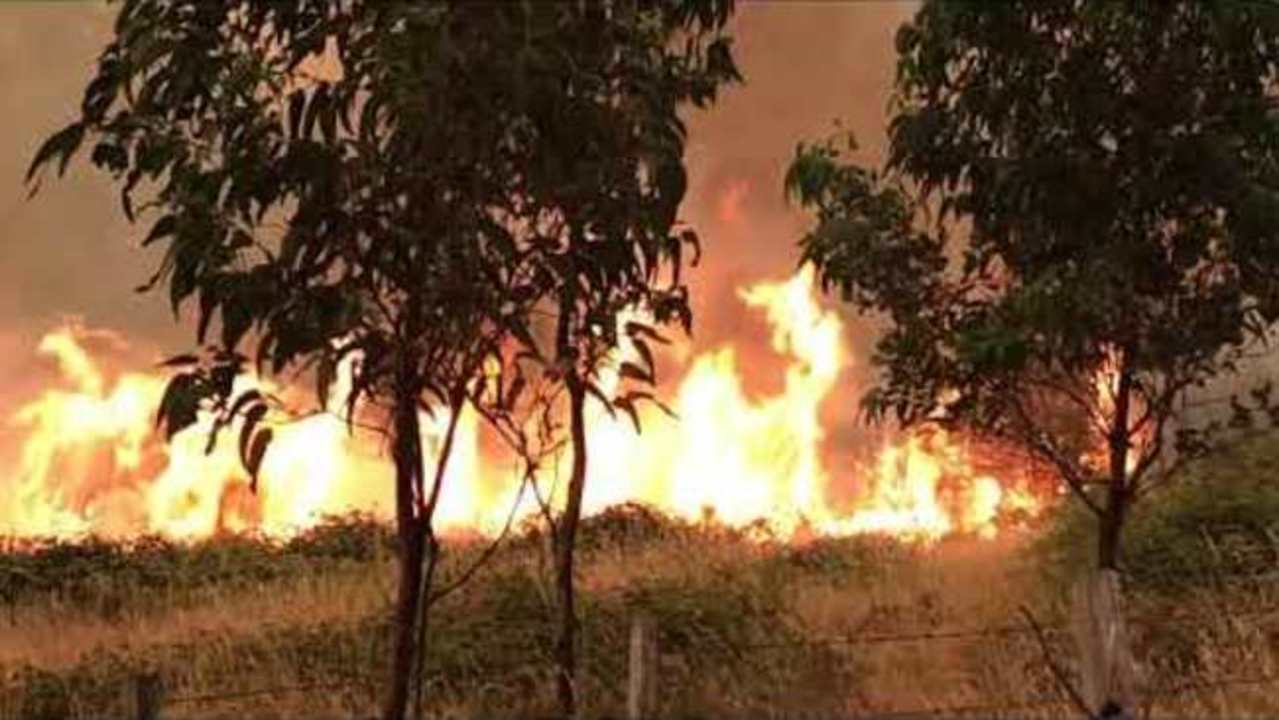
x: 433, y: 547
x: 565, y: 648
x: 424, y: 601
x: 412, y: 536
x: 1119, y: 444
x: 1107, y: 641
x: 1108, y: 536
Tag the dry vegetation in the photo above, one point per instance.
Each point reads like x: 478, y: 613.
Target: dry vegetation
x: 748, y: 625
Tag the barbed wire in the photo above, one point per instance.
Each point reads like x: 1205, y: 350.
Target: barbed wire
x: 256, y: 692
x: 926, y: 636
x: 1033, y: 703
x: 1221, y: 682
x: 1046, y: 701
x: 978, y: 633
x: 906, y: 637
x: 974, y: 633
x: 368, y: 683
x: 966, y: 709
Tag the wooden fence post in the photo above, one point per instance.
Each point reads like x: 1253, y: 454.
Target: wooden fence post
x: 147, y: 693
x: 1106, y: 663
x: 641, y: 690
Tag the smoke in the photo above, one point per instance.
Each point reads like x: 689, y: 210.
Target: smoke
x: 69, y: 250
x: 807, y: 65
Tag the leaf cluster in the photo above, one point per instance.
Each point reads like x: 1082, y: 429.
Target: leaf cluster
x: 1073, y: 190
x: 401, y: 193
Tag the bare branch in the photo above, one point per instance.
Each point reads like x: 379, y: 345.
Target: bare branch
x: 1039, y: 441
x: 490, y: 549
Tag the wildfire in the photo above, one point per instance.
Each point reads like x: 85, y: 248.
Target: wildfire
x: 89, y: 460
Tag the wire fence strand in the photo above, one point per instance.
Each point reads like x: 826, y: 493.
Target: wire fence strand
x: 1152, y: 697
x: 206, y: 698
x: 1037, y: 703
x: 979, y: 633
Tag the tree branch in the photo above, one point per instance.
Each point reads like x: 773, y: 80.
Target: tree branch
x: 490, y: 549
x: 1038, y: 441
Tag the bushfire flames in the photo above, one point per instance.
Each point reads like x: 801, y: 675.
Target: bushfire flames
x: 89, y: 460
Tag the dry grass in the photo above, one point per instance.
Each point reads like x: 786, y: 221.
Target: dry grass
x: 748, y: 627
x: 55, y: 635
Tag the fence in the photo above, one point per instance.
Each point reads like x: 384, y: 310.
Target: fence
x: 644, y: 674
x: 642, y: 694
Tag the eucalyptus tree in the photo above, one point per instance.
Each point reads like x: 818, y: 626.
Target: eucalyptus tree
x: 1101, y: 182
x: 606, y: 245
x: 400, y: 189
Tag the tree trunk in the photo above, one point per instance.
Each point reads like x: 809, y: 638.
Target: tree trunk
x: 565, y: 648
x: 1107, y: 673
x: 412, y: 537
x: 432, y: 557
x: 1109, y: 531
x: 1119, y: 443
x: 432, y: 561
x: 1099, y: 601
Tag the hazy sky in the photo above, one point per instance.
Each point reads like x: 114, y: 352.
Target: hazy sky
x: 70, y: 252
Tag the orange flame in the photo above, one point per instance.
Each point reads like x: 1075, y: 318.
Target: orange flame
x: 89, y: 459
x: 1105, y: 390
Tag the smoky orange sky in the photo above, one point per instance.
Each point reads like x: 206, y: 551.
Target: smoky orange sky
x: 807, y: 64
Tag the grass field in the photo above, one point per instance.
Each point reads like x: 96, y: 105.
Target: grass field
x: 748, y: 625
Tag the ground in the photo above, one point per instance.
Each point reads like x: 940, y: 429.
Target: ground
x: 748, y: 623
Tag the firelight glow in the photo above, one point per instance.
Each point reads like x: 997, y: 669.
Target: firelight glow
x: 89, y: 458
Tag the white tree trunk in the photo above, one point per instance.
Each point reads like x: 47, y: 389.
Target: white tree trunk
x: 1106, y: 662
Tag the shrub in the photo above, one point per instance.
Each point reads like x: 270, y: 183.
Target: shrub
x: 1216, y: 527
x: 357, y: 537
x: 103, y: 576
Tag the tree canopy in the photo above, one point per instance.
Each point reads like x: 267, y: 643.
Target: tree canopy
x: 1076, y: 217
x: 404, y: 189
